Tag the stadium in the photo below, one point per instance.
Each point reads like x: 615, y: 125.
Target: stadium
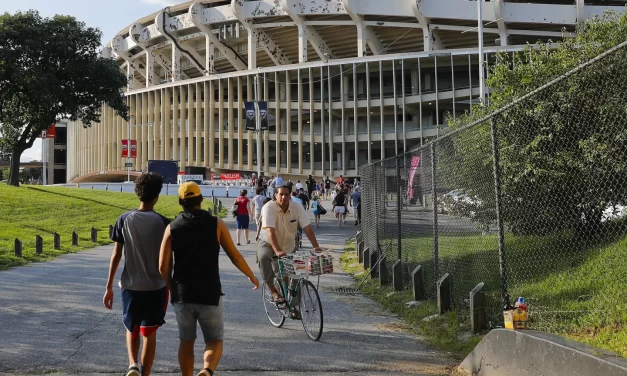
x: 347, y: 82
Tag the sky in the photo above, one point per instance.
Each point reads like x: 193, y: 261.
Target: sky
x: 110, y: 16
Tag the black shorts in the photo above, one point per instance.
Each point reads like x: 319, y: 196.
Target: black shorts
x: 144, y: 310
x: 243, y: 221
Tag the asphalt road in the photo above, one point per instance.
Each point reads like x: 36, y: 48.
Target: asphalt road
x: 52, y: 321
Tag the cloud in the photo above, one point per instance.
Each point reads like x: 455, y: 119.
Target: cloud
x: 33, y: 153
x: 163, y: 3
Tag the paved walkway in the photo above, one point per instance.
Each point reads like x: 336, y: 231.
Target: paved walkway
x: 52, y: 321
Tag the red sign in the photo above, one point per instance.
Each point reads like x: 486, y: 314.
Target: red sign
x: 124, y: 148
x: 133, y: 148
x: 51, y: 132
x: 230, y: 176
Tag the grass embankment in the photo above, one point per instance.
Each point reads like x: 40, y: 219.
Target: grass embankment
x: 441, y: 332
x: 575, y: 287
x: 28, y: 211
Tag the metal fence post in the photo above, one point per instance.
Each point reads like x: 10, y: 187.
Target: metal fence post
x: 398, y: 209
x: 496, y: 161
x: 434, y: 197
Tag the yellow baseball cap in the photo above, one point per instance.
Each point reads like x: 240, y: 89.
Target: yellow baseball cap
x: 189, y: 189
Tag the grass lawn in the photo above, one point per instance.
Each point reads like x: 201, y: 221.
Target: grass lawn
x: 575, y: 287
x: 28, y: 211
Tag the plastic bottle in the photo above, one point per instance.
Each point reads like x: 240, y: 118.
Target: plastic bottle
x: 520, y: 314
x: 508, y: 312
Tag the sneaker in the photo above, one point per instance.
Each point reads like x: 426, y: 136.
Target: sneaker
x: 205, y: 372
x: 133, y: 371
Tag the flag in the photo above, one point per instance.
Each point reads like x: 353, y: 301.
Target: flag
x: 415, y: 162
x: 133, y: 148
x: 124, y: 148
x: 263, y: 115
x: 250, y: 116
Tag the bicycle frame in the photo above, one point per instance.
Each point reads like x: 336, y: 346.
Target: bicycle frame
x: 285, y: 286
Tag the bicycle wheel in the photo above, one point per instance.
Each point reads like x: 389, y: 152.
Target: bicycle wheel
x: 274, y: 313
x: 311, y: 310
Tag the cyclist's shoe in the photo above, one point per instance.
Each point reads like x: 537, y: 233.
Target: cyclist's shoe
x: 296, y: 315
x: 205, y: 372
x: 133, y: 371
x: 279, y: 301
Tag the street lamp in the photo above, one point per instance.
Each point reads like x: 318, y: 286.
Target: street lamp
x: 258, y: 126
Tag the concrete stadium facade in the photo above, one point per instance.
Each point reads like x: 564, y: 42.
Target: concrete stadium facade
x: 347, y: 82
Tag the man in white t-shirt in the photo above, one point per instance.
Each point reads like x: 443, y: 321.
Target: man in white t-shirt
x: 299, y: 186
x: 257, y: 203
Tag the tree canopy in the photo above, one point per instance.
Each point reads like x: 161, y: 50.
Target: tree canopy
x: 50, y: 69
x: 563, y: 149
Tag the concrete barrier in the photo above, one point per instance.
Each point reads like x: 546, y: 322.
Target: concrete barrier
x: 504, y: 352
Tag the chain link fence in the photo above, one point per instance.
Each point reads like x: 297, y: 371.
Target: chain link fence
x: 530, y: 200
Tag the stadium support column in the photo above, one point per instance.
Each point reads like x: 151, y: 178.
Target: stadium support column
x: 302, y: 44
x: 176, y: 63
x: 252, y: 48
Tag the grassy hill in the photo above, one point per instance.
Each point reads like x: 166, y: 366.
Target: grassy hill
x: 28, y: 211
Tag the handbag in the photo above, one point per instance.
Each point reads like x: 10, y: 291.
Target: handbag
x: 321, y: 210
x: 234, y: 208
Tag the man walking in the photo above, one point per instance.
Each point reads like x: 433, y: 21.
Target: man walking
x: 137, y: 236
x: 193, y: 242
x: 311, y: 186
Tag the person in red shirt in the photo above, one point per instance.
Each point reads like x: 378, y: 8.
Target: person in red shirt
x: 242, y: 216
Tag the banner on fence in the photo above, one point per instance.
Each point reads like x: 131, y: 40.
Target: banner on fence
x: 415, y: 162
x: 250, y: 116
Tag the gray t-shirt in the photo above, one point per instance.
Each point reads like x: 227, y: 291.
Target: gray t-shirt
x: 258, y: 202
x: 141, y: 233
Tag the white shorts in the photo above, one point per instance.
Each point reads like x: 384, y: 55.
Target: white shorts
x: 340, y: 209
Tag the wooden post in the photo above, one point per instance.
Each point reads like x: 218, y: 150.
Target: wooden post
x: 39, y: 245
x: 397, y: 276
x: 444, y: 294
x: 94, y: 235
x: 418, y: 283
x: 57, y: 241
x: 360, y: 251
x: 365, y: 255
x: 18, y: 248
x: 74, y: 239
x: 383, y: 271
x: 374, y: 256
x: 478, y: 316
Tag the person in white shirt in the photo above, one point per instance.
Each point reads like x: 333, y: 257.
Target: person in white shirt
x: 257, y: 204
x: 280, y: 221
x: 299, y: 186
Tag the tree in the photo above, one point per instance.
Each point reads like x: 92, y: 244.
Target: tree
x: 50, y: 69
x: 563, y: 149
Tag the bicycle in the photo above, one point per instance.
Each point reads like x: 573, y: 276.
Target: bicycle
x: 294, y: 268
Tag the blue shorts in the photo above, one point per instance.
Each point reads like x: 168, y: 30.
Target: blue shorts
x: 144, y: 310
x: 315, y: 212
x: 243, y: 221
x: 210, y: 318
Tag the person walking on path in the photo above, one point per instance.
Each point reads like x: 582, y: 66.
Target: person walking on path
x: 188, y: 263
x: 339, y: 207
x: 137, y: 235
x: 355, y: 202
x: 242, y: 215
x: 327, y: 188
x: 311, y: 186
x: 280, y: 221
x: 257, y: 204
x: 315, y: 206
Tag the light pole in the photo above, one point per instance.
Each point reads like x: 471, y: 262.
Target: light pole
x: 480, y: 35
x: 258, y: 127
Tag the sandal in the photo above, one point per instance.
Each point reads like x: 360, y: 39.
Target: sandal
x: 278, y: 300
x: 248, y: 242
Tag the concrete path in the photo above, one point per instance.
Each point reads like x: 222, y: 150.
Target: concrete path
x: 52, y: 321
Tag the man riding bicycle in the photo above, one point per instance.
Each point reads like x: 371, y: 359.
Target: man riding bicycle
x: 280, y: 221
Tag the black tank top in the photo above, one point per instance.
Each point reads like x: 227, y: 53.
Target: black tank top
x: 195, y: 249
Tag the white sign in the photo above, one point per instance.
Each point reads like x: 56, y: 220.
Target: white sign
x: 197, y: 178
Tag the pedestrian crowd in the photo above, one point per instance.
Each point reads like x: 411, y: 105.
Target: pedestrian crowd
x: 177, y: 261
